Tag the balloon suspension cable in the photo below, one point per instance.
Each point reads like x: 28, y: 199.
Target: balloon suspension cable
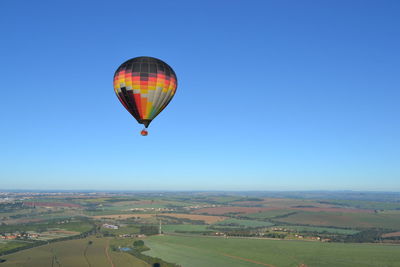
x: 144, y: 132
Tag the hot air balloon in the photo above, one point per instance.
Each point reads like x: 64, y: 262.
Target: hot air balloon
x: 145, y: 86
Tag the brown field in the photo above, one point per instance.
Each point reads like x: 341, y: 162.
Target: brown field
x: 394, y: 234
x: 248, y: 210
x: 317, y: 209
x: 207, y: 219
x: 283, y: 202
x: 63, y: 232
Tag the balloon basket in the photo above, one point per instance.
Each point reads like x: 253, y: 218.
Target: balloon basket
x: 144, y: 132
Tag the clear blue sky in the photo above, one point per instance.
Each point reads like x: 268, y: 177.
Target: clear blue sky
x: 272, y: 95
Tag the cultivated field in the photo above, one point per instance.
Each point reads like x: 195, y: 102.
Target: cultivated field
x: 196, y: 217
x: 8, y: 245
x: 73, y: 253
x: 236, y: 252
x: 362, y: 220
x: 255, y: 210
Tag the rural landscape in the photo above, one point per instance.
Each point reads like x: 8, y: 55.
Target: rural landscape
x: 193, y: 229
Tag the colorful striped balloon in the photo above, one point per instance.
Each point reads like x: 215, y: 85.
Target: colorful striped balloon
x: 145, y: 86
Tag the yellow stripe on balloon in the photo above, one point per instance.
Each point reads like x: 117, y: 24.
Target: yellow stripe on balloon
x: 148, y: 109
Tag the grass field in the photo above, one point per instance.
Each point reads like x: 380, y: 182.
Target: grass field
x: 354, y: 220
x: 8, y: 245
x: 243, y: 223
x: 76, y: 253
x: 235, y: 252
x: 319, y: 229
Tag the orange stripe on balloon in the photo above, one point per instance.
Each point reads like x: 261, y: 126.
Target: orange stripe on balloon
x: 144, y: 107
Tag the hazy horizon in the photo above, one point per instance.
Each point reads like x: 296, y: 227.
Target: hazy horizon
x: 52, y: 190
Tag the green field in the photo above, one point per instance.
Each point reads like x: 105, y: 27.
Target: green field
x: 243, y: 223
x: 353, y: 220
x: 314, y: 229
x: 75, y: 226
x: 72, y: 253
x: 390, y: 212
x: 8, y: 245
x: 374, y: 205
x: 236, y: 252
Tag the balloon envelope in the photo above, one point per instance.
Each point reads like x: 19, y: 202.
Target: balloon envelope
x: 145, y: 86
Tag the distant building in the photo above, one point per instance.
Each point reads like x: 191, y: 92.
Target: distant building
x: 110, y: 226
x: 9, y: 237
x: 127, y: 235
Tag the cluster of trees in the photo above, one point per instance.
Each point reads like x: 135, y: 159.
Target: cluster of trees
x: 138, y: 243
x: 275, y: 235
x: 370, y: 236
x: 151, y: 260
x: 149, y: 230
x: 107, y: 233
x: 230, y: 224
x: 241, y: 232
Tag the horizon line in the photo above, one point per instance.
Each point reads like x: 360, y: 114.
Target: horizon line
x: 194, y: 190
